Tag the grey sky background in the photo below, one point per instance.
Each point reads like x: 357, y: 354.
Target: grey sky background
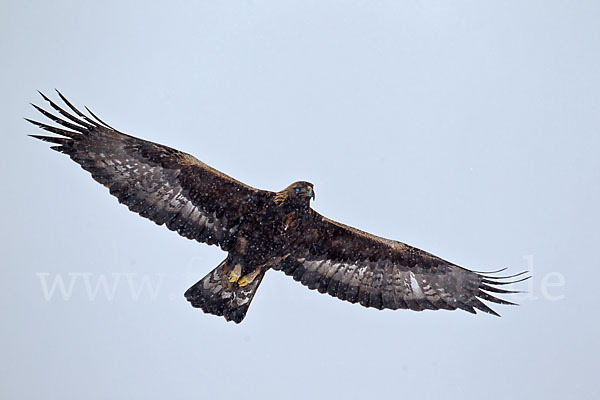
x: 466, y: 128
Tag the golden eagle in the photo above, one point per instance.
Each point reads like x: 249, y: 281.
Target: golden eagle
x: 262, y: 230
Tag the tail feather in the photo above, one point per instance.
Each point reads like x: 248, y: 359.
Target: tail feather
x: 214, y: 294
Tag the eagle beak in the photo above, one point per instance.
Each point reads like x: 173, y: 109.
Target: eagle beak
x: 310, y: 193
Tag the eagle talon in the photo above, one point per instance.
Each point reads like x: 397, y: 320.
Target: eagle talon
x: 249, y: 278
x: 235, y: 273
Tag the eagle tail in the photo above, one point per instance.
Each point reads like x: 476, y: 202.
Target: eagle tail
x: 216, y: 295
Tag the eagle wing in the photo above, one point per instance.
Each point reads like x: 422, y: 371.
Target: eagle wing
x: 356, y: 266
x: 160, y: 183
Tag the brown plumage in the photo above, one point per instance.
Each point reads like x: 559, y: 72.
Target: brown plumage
x: 262, y: 230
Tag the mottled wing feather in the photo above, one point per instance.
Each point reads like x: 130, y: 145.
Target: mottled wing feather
x: 160, y: 183
x: 358, y: 267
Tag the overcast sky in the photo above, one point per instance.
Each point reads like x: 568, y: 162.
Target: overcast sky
x: 467, y: 128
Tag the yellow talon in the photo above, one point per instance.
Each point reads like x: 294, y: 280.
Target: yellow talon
x: 235, y: 273
x: 249, y: 278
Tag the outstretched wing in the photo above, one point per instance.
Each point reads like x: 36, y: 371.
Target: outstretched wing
x: 162, y: 184
x: 356, y: 266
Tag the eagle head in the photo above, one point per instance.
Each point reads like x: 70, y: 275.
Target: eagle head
x: 297, y: 193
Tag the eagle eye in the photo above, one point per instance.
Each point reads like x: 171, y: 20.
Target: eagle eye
x: 297, y: 190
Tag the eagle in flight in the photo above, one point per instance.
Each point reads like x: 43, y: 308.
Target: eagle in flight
x: 262, y: 230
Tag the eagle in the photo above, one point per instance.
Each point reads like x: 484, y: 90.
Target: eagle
x: 262, y: 230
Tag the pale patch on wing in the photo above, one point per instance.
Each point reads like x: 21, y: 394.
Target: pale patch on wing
x: 156, y: 194
x: 414, y: 286
x: 158, y: 182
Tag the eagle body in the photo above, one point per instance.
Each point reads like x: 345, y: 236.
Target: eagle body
x: 262, y: 230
